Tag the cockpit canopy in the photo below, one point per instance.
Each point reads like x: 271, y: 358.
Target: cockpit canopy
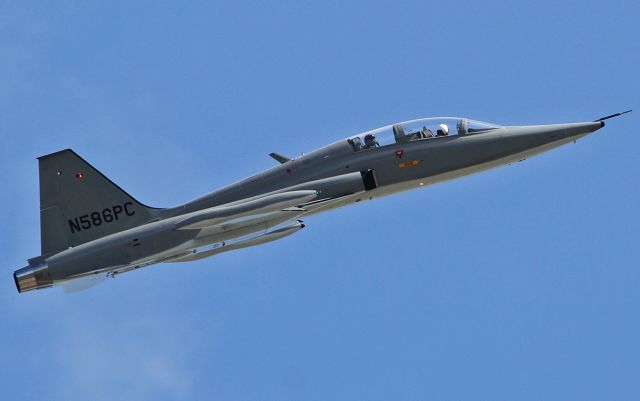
x: 415, y: 130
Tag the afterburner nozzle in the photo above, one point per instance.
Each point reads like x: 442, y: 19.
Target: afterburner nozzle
x: 33, y: 277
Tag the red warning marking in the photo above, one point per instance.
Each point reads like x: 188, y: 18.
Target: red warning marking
x: 399, y: 153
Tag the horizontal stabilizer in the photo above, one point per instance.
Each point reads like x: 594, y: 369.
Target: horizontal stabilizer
x: 83, y: 283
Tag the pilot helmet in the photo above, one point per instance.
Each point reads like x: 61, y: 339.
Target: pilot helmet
x: 443, y: 128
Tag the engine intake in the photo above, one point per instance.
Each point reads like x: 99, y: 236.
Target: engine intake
x: 369, y: 179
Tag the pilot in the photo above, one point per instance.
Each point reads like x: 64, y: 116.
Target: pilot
x: 370, y: 141
x: 443, y: 130
x: 426, y: 132
x: 415, y: 136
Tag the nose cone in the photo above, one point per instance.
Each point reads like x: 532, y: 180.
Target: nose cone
x: 529, y: 140
x: 542, y: 134
x: 578, y: 130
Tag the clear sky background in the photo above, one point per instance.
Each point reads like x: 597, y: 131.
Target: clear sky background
x: 521, y: 283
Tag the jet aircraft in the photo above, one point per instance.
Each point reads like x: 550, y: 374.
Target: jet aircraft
x: 92, y: 229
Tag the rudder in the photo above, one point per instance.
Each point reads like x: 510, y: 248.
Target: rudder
x: 79, y: 204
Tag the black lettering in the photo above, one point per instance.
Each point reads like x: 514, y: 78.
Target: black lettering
x: 126, y: 209
x: 107, y: 216
x: 84, y: 221
x: 96, y: 218
x: 74, y: 225
x: 117, y: 209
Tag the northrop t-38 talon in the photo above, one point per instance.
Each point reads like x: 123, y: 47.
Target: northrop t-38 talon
x: 92, y: 229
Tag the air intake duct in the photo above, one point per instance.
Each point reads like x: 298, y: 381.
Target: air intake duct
x: 369, y: 179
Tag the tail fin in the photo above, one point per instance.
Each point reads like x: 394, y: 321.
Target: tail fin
x: 78, y: 204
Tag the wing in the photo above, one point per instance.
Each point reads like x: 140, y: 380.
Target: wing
x: 274, y: 205
x: 257, y: 220
x: 226, y: 246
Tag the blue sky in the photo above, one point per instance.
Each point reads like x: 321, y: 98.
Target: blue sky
x: 517, y: 284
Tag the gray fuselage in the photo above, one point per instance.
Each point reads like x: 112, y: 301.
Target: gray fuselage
x: 335, y: 176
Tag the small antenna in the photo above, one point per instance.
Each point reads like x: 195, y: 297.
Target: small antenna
x: 612, y: 115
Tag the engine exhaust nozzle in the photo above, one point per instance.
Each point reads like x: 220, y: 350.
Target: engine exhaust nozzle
x: 33, y: 277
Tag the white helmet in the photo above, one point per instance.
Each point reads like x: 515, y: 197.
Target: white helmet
x: 443, y: 128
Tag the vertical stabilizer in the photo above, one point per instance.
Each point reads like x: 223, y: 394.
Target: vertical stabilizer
x: 78, y: 204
